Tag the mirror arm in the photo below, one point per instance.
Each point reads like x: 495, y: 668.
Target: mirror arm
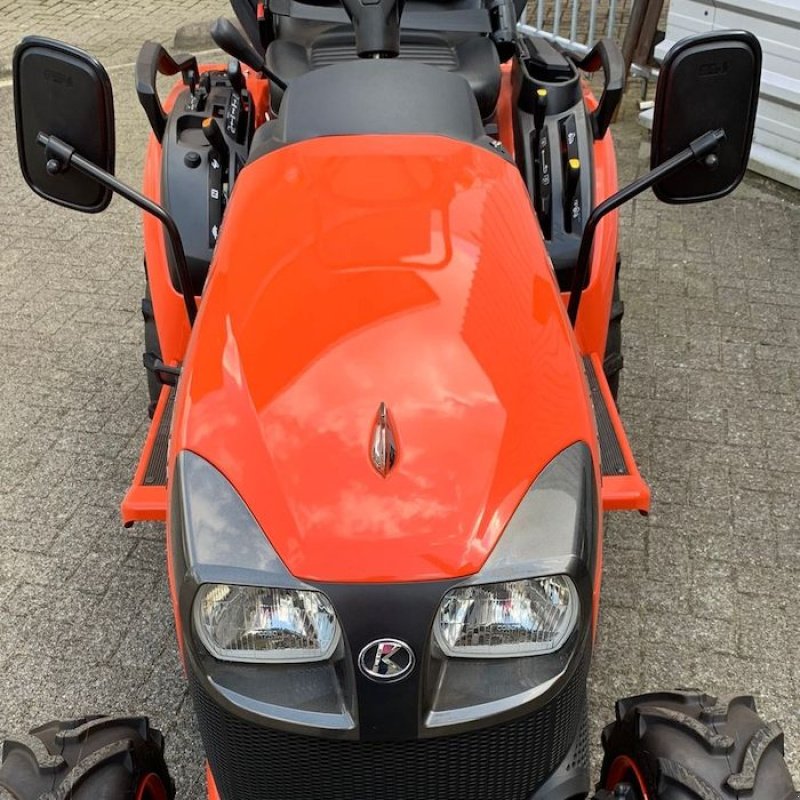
x: 701, y: 147
x: 61, y: 156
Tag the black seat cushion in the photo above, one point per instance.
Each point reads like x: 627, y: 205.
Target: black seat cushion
x: 384, y: 96
x: 473, y: 58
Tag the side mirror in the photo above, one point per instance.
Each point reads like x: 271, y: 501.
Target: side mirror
x: 63, y: 92
x: 708, y: 82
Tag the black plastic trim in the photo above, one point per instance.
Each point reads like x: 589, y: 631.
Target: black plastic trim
x: 461, y: 20
x: 156, y: 472
x: 28, y: 43
x: 224, y: 544
x: 612, y: 461
x: 153, y: 60
x: 606, y: 54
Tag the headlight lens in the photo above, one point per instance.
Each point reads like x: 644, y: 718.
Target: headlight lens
x: 515, y: 618
x: 258, y: 624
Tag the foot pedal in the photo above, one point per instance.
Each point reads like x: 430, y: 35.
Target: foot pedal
x: 147, y: 497
x: 623, y: 488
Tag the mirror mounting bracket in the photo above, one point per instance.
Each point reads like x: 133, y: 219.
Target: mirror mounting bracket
x: 703, y: 148
x: 64, y: 156
x: 58, y: 154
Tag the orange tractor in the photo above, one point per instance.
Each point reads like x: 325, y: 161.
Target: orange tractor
x: 382, y: 326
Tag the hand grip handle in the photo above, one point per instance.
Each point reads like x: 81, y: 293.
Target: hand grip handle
x: 606, y: 54
x: 154, y: 60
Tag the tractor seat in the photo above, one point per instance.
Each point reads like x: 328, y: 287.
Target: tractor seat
x: 474, y: 58
x: 380, y: 97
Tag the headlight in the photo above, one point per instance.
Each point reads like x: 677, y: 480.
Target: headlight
x: 515, y: 618
x: 250, y: 623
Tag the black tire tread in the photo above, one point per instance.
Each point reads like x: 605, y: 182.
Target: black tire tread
x: 74, y: 778
x: 36, y: 748
x: 762, y: 740
x: 671, y: 771
x: 80, y: 732
x: 151, y: 345
x: 694, y: 746
x: 65, y: 760
x: 613, y: 361
x: 715, y: 742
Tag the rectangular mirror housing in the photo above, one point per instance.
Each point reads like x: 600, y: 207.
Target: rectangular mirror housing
x: 707, y: 82
x: 63, y: 92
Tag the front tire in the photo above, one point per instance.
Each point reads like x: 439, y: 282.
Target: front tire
x: 94, y: 758
x: 691, y: 746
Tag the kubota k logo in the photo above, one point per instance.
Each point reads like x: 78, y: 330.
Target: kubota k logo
x: 386, y: 660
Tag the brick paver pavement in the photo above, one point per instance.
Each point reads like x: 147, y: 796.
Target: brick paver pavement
x: 702, y: 593
x: 112, y: 30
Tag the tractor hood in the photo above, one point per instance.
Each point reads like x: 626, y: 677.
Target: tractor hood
x: 356, y: 272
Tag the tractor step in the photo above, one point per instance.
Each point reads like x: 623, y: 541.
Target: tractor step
x: 623, y: 488
x: 147, y: 497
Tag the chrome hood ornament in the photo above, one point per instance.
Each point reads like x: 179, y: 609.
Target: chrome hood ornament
x: 383, y: 448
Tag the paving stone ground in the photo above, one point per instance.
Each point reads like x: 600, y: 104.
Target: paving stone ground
x: 112, y: 30
x: 702, y: 593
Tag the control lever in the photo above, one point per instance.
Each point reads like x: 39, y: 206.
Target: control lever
x: 573, y: 211
x: 234, y: 108
x: 228, y: 38
x: 215, y: 137
x: 235, y: 76
x: 539, y: 108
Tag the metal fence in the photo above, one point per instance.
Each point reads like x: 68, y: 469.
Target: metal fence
x: 576, y: 24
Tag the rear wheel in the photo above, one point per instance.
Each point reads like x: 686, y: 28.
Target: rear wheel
x: 691, y: 746
x: 94, y: 758
x: 613, y: 361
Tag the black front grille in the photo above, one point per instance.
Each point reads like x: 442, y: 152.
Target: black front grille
x: 506, y: 762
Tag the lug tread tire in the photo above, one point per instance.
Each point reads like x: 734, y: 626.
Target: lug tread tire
x: 692, y: 746
x: 745, y: 779
x: 715, y: 742
x: 91, y: 758
x: 672, y: 772
x: 151, y: 345
x: 613, y: 360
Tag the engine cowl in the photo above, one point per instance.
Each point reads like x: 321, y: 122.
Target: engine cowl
x: 390, y: 290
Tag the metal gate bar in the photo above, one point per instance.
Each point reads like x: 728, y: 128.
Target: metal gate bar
x: 580, y: 34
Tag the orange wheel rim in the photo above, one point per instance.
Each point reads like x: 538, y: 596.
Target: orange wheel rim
x: 151, y: 788
x: 624, y: 770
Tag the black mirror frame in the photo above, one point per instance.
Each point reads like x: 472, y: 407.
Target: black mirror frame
x: 678, y: 49
x: 100, y: 71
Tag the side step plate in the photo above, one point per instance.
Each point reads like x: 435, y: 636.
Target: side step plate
x: 623, y: 487
x: 147, y: 497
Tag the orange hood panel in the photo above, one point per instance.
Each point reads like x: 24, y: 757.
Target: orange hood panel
x: 355, y: 271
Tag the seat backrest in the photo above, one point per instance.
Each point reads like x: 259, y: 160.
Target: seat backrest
x: 463, y: 16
